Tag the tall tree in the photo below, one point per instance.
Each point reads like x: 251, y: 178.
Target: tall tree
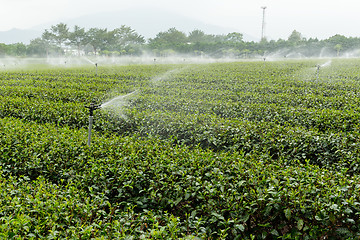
x: 171, y: 39
x: 17, y: 49
x: 3, y: 49
x: 125, y: 36
x: 338, y: 48
x: 234, y: 37
x: 78, y: 38
x: 98, y: 38
x: 59, y: 34
x: 47, y: 38
x: 295, y: 37
x: 37, y: 47
x: 197, y: 36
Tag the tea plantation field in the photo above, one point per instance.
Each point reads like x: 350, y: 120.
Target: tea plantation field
x: 247, y: 150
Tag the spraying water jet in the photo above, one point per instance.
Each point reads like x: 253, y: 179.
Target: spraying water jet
x: 318, y: 66
x: 328, y: 63
x: 91, y: 108
x: 116, y: 100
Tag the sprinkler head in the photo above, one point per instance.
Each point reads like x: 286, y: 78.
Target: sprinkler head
x: 92, y: 107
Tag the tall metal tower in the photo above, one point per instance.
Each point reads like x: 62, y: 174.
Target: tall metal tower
x: 263, y: 24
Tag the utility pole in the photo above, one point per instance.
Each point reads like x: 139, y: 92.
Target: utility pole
x: 263, y: 25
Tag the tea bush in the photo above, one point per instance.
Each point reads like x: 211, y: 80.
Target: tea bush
x: 220, y: 151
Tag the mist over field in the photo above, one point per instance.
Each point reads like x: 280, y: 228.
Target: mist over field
x: 123, y: 40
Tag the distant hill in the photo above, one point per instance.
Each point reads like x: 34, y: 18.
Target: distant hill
x: 147, y: 22
x: 19, y: 36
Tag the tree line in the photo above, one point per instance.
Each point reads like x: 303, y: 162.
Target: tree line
x: 59, y: 40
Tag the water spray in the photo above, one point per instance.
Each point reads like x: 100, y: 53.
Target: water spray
x: 91, y: 108
x: 117, y: 100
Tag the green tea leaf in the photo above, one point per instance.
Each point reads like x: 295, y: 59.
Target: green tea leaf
x: 287, y: 213
x: 300, y: 224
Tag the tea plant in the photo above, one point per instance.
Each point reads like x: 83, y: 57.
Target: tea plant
x: 218, y: 151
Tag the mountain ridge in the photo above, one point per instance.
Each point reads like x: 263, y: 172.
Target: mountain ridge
x: 146, y: 22
x: 16, y: 35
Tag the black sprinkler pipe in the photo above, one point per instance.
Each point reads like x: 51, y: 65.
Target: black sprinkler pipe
x: 317, y: 72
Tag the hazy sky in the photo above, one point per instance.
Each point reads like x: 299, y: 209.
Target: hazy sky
x: 312, y: 18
